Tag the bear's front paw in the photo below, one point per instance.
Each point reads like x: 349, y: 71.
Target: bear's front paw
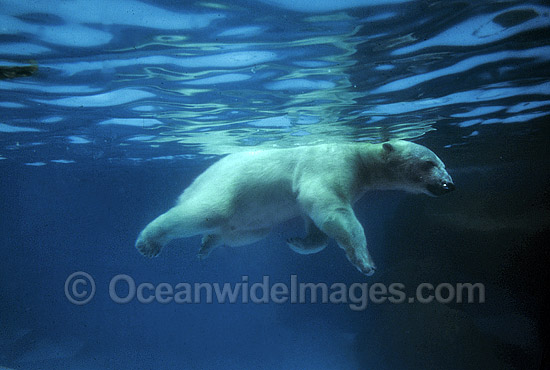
x: 148, y: 248
x: 362, y: 262
x: 367, y: 270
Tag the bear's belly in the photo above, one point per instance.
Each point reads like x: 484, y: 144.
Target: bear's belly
x: 262, y: 211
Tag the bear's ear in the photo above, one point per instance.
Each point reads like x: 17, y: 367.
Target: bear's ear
x: 388, y: 147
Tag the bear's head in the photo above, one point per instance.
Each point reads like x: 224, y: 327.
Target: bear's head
x: 415, y: 168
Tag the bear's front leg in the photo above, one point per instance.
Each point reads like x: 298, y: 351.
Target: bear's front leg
x: 336, y: 219
x: 342, y: 225
x: 176, y: 223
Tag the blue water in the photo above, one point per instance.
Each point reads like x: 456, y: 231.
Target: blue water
x: 132, y: 100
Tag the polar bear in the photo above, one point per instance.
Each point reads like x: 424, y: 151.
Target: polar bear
x: 240, y: 198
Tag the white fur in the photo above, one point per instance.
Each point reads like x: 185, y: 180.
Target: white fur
x: 241, y: 197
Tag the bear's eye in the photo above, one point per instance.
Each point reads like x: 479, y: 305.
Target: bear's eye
x: 428, y: 165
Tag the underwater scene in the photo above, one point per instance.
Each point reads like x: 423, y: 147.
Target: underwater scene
x: 367, y: 184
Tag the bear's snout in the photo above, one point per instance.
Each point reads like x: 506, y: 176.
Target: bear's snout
x: 448, y: 186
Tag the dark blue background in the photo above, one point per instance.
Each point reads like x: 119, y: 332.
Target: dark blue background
x: 60, y: 219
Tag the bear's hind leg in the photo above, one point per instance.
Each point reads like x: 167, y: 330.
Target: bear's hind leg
x: 315, y: 240
x: 178, y: 222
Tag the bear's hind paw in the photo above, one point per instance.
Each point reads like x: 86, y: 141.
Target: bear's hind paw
x: 305, y: 246
x: 148, y: 248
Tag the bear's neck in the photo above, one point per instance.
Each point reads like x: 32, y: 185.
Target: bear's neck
x: 374, y: 173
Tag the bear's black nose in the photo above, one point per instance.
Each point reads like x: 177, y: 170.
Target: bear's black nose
x: 448, y: 186
x: 440, y: 189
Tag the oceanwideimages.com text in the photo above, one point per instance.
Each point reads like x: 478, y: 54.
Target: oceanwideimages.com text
x: 123, y: 289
